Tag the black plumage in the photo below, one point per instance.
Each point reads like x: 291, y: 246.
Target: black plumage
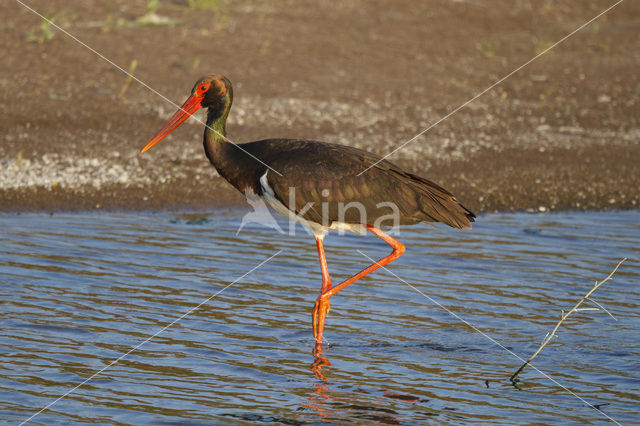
x: 326, y: 184
x: 312, y: 167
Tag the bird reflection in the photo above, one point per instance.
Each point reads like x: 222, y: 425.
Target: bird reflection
x: 321, y: 391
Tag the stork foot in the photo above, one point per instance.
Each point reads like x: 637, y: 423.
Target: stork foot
x: 319, y: 313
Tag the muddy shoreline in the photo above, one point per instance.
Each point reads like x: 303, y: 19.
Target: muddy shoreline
x: 475, y: 185
x: 561, y: 134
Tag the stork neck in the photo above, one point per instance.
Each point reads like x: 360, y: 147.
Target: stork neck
x: 216, y: 130
x: 216, y: 145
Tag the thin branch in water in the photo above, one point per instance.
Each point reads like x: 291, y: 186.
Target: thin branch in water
x: 564, y: 316
x: 602, y: 307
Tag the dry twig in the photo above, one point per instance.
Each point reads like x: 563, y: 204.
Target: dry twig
x: 564, y: 316
x: 127, y: 81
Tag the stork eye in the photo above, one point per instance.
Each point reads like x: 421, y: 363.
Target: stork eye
x: 203, y: 88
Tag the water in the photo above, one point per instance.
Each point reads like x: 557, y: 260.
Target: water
x: 79, y: 291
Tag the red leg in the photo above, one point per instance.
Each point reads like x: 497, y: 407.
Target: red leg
x: 321, y: 307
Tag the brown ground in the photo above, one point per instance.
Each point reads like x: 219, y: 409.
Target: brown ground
x: 563, y: 133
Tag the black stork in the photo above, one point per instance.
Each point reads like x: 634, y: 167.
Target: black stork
x: 319, y: 174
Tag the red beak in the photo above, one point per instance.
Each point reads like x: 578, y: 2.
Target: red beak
x: 191, y: 105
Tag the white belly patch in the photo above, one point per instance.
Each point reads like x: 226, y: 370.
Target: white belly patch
x: 316, y: 228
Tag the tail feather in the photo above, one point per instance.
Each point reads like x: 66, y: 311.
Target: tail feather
x: 439, y: 205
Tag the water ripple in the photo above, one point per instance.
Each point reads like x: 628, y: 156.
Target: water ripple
x: 80, y: 290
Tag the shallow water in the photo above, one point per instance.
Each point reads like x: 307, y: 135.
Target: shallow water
x: 79, y: 291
